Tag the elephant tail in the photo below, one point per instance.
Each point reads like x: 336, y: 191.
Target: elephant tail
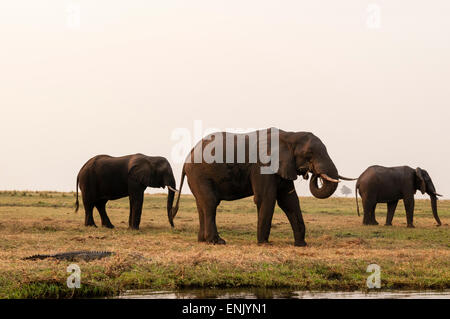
x: 356, y: 196
x: 77, y: 203
x: 175, y: 209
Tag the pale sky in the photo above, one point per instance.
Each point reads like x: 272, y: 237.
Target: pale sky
x: 375, y: 91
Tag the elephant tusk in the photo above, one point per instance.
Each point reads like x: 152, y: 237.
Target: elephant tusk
x: 346, y: 178
x: 437, y: 194
x: 328, y: 178
x: 172, y: 189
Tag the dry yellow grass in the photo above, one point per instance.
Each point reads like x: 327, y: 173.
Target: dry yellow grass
x: 157, y: 257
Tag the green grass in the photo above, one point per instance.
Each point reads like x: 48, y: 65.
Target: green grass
x: 159, y: 258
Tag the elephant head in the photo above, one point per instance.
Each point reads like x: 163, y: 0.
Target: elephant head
x: 301, y: 153
x: 425, y: 185
x: 155, y: 172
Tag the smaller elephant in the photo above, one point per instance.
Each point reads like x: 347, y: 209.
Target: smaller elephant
x: 378, y: 184
x: 105, y: 178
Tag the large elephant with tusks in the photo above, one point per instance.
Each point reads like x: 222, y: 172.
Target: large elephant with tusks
x: 105, y: 178
x: 226, y: 166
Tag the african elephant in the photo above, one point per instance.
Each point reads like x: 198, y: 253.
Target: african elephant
x: 105, y: 178
x: 237, y: 173
x: 379, y: 184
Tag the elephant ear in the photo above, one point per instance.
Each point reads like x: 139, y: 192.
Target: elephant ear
x: 140, y: 171
x: 286, y: 169
x: 420, y: 180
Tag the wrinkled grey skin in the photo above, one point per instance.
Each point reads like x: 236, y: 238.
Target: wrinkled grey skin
x: 379, y: 184
x: 300, y: 153
x: 105, y: 178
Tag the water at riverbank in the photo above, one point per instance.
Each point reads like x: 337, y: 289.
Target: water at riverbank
x: 281, y: 294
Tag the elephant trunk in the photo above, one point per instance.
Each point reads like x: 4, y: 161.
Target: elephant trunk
x: 175, y: 209
x: 329, y: 177
x: 434, y: 208
x: 171, y: 186
x: 431, y: 191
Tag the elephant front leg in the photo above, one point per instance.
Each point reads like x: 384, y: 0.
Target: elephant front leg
x: 391, y: 206
x: 130, y: 216
x: 136, y: 201
x: 289, y: 203
x: 265, y: 205
x: 409, y: 208
x: 265, y: 196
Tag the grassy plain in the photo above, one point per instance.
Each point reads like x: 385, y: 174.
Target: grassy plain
x: 157, y: 257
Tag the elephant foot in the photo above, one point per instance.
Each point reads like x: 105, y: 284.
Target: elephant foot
x: 220, y: 241
x: 217, y: 241
x: 410, y: 226
x: 264, y: 242
x: 388, y: 224
x: 300, y: 244
x: 201, y: 237
x: 370, y: 223
x: 374, y: 222
x: 438, y: 225
x: 133, y: 227
x: 213, y: 239
x: 91, y: 225
x: 111, y: 226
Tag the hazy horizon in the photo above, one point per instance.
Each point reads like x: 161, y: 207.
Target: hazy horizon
x: 374, y: 91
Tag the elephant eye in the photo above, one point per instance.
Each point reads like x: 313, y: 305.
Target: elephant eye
x: 308, y: 155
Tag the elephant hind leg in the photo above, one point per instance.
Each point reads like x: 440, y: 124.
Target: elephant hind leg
x: 211, y: 233
x: 207, y: 203
x: 369, y: 206
x: 101, y: 207
x: 201, y: 218
x: 88, y: 214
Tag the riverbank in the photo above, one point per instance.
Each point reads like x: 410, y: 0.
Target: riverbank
x: 159, y: 258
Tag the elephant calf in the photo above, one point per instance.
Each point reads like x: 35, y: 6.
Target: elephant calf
x: 378, y: 184
x: 105, y: 178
